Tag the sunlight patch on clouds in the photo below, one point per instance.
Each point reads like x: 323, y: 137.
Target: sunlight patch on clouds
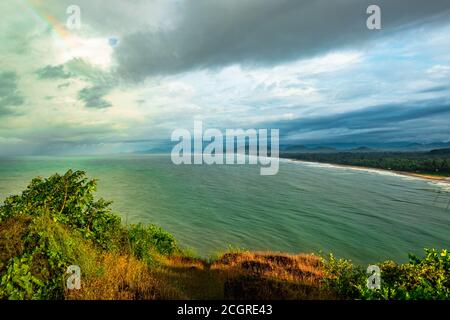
x: 329, y: 63
x: 95, y: 51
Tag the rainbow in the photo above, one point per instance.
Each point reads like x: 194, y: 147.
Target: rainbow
x: 59, y: 29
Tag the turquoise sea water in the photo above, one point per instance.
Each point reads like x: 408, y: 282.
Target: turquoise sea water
x: 364, y: 215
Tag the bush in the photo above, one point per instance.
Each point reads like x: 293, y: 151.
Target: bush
x: 56, y: 223
x: 38, y: 272
x: 343, y: 278
x: 420, y: 279
x: 145, y: 239
x: 68, y: 199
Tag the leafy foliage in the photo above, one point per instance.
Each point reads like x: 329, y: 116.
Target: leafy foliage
x: 144, y: 239
x: 60, y: 224
x: 68, y: 199
x: 38, y: 273
x: 18, y: 283
x: 343, y: 277
x: 419, y: 279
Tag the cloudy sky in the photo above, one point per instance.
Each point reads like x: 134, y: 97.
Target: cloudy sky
x: 138, y: 69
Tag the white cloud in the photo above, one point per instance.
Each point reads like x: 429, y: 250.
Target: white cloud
x: 439, y: 71
x: 95, y: 51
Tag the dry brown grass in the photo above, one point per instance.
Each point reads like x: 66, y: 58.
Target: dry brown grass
x: 243, y: 276
x: 246, y: 275
x: 122, y: 277
x: 270, y: 276
x: 192, y: 277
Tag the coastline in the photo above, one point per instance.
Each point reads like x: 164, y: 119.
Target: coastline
x: 145, y: 262
x: 425, y: 176
x: 422, y: 176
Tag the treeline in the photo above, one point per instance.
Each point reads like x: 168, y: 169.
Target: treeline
x: 432, y: 162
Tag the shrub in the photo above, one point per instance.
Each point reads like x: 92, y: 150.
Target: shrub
x: 56, y: 223
x: 420, y: 279
x: 343, y: 277
x: 38, y: 272
x: 145, y: 239
x: 68, y: 199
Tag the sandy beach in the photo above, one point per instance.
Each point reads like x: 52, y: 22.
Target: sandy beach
x: 424, y: 176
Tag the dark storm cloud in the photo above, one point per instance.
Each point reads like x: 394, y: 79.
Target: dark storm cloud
x: 264, y: 32
x: 53, y: 72
x: 93, y: 96
x: 414, y: 120
x: 9, y: 94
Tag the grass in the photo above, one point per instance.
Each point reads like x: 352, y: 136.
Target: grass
x: 122, y: 277
x: 268, y: 276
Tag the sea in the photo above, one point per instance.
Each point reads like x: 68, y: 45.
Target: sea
x: 363, y: 215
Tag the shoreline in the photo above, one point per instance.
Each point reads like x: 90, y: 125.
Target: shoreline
x: 422, y: 176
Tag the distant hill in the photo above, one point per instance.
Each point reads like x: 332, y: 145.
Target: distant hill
x: 304, y: 149
x: 434, y: 148
x: 445, y: 151
x: 419, y: 147
x: 369, y: 148
x: 299, y: 148
x: 363, y: 149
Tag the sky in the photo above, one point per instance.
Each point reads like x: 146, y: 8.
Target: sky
x: 137, y: 70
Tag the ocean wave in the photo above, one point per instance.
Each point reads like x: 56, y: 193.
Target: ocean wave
x: 443, y: 186
x: 361, y: 169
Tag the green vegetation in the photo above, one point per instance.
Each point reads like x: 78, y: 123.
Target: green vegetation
x: 421, y: 278
x: 56, y: 222
x: 433, y: 162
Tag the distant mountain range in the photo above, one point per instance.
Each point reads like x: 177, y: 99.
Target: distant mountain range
x: 317, y: 148
x: 401, y: 147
